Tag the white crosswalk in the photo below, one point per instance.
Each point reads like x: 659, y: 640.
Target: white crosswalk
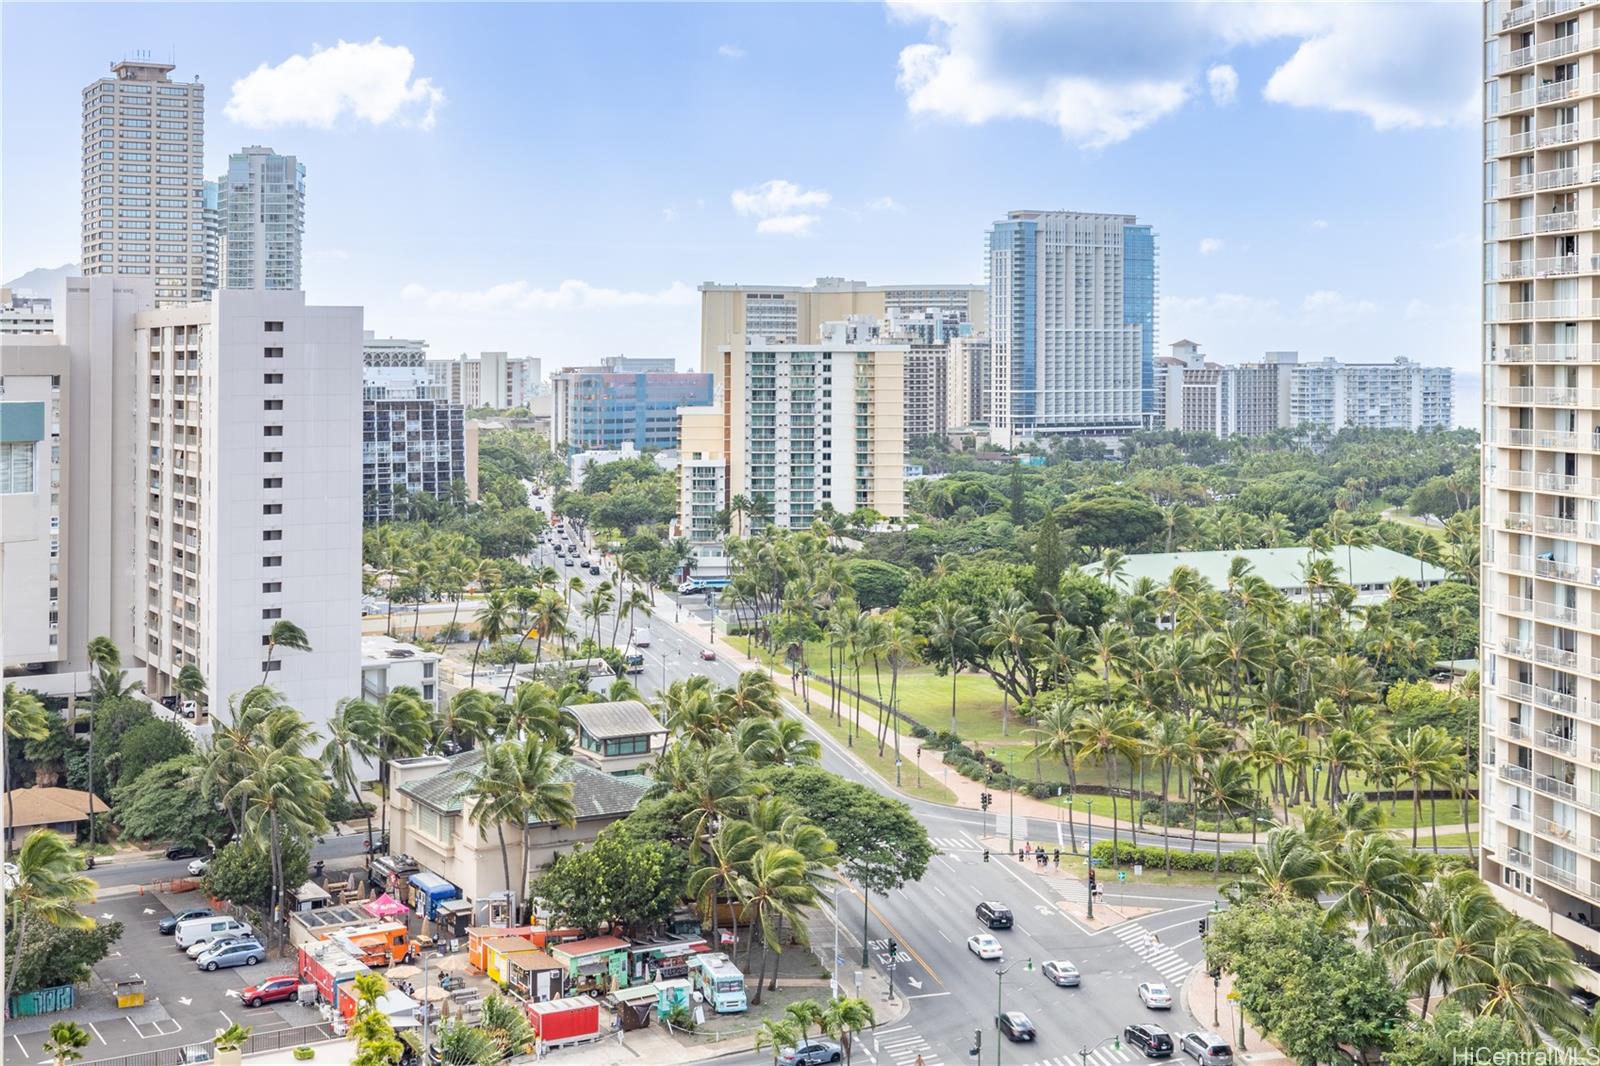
x: 1101, y: 1057
x: 1167, y: 963
x: 901, y: 1045
x: 961, y: 843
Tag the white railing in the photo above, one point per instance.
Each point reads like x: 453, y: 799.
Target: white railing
x: 1514, y: 479
x: 1515, y: 353
x: 1522, y: 649
x: 1553, y: 656
x: 1516, y: 16
x: 1518, y: 564
x: 1557, y: 568
x: 1518, y: 815
x: 1554, y: 612
x: 1559, y: 178
x: 1554, y: 874
x: 1552, y: 700
x: 1517, y: 690
x: 1557, y: 742
x: 1519, y: 775
x: 1560, y: 397
x: 1548, y: 523
x: 1517, y: 268
x: 1553, y: 266
x: 1516, y: 731
x: 1519, y: 858
x: 1518, y: 523
x: 1519, y: 185
x: 1567, y: 353
x: 1556, y: 221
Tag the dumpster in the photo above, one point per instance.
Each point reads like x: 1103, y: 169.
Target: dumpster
x: 129, y: 992
x: 634, y: 1006
x: 559, y: 1022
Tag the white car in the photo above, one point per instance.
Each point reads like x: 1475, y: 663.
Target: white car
x: 198, y: 867
x: 1154, y: 994
x: 985, y: 946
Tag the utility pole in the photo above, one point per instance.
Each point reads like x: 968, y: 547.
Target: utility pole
x: 1011, y: 819
x: 1085, y: 1052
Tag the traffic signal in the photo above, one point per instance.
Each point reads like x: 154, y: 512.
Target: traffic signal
x: 1202, y: 927
x: 894, y: 949
x: 985, y: 799
x: 985, y: 854
x: 977, y: 1041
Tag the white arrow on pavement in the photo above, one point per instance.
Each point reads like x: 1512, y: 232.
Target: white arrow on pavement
x: 234, y: 992
x: 185, y: 1000
x: 913, y: 982
x: 107, y: 917
x: 149, y: 910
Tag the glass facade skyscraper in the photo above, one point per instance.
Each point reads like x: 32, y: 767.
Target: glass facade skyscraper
x: 594, y: 408
x: 261, y: 205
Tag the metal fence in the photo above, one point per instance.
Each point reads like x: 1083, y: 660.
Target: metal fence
x: 257, y: 1044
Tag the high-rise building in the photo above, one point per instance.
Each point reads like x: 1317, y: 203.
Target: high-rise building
x: 1072, y: 325
x: 927, y: 389
x: 35, y: 376
x: 1539, y: 786
x: 143, y: 179
x: 211, y: 196
x: 796, y: 313
x: 967, y: 387
x: 1396, y: 395
x: 246, y: 443
x: 410, y: 439
x: 796, y: 429
x: 25, y: 315
x: 489, y: 379
x: 599, y: 408
x: 261, y: 210
x: 1189, y: 390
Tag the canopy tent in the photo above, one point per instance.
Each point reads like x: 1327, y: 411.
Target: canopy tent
x: 385, y: 906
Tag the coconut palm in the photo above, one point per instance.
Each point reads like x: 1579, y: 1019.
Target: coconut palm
x: 66, y: 1043
x: 535, y: 710
x: 777, y: 1034
x: 285, y: 798
x: 494, y: 621
x: 720, y: 789
x: 469, y: 719
x: 1108, y: 733
x: 804, y: 1015
x: 1168, y: 747
x: 1372, y: 880
x: 1224, y: 785
x: 776, y: 889
x: 47, y: 886
x: 1423, y: 752
x: 1522, y: 980
x: 397, y: 728
x: 1446, y: 940
x: 522, y: 783
x: 1288, y: 866
x: 25, y: 719
x: 721, y: 874
x: 286, y: 635
x: 754, y: 695
x: 950, y: 638
x: 345, y: 747
x: 1054, y: 735
x: 843, y: 1018
x: 776, y: 742
x: 191, y: 684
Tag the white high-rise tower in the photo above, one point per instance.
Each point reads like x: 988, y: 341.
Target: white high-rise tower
x: 261, y: 210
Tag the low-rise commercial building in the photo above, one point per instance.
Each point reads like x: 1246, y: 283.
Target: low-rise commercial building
x: 605, y: 408
x: 1371, y: 570
x: 619, y: 737
x: 387, y: 664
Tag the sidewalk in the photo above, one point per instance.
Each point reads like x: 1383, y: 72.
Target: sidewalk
x: 1207, y: 1001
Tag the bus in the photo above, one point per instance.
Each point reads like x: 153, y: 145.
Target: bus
x: 701, y: 584
x: 719, y: 981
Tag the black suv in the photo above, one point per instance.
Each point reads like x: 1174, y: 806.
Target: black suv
x: 1150, y: 1039
x: 994, y: 915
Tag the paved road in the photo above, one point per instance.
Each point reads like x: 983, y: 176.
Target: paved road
x: 148, y: 871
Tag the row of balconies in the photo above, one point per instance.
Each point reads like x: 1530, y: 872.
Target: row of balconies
x: 1551, y: 568
x: 1549, y: 267
x: 1550, y: 222
x: 1516, y: 15
x: 1545, y: 51
x: 1529, y: 310
x: 1564, y: 439
x: 1548, y: 353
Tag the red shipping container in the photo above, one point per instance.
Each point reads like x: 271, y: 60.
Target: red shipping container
x: 559, y: 1020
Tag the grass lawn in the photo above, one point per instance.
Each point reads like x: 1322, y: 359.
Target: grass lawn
x: 866, y: 749
x: 1402, y: 815
x: 1077, y: 866
x: 1448, y: 840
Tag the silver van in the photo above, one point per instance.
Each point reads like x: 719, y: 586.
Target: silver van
x: 1208, y: 1049
x: 197, y: 930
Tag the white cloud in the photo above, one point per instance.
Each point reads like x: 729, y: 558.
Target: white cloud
x: 731, y: 51
x: 370, y: 81
x: 1102, y: 72
x: 1222, y: 305
x: 1318, y: 223
x: 1331, y: 302
x: 1223, y: 81
x: 781, y: 206
x: 568, y: 296
x: 788, y: 225
x: 1210, y: 245
x: 669, y: 214
x: 884, y: 203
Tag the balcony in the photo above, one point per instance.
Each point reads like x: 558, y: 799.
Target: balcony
x: 1556, y: 830
x: 1557, y: 221
x: 1513, y: 479
x: 1559, y: 7
x: 1562, y: 790
x: 1524, y: 184
x: 1550, y: 699
x: 1518, y: 815
x: 1567, y: 353
x: 1517, y: 564
x: 1547, y: 523
x: 1516, y: 731
x: 1557, y: 743
x: 1554, y: 266
x: 1553, y: 656
x: 1516, y: 16
x: 1519, y: 858
x: 1555, y: 875
x: 1558, y: 178
x: 1515, y: 353
x: 1558, y: 569
x: 1517, y: 775
x: 1552, y: 612
x: 1517, y: 523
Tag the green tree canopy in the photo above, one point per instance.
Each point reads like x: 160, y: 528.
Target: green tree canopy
x: 149, y: 743
x: 619, y: 879
x: 241, y: 873
x: 876, y: 584
x: 880, y: 843
x: 57, y: 954
x: 171, y: 801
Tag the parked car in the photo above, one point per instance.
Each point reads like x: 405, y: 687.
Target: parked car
x: 994, y: 915
x: 985, y: 946
x: 1016, y: 1026
x: 1150, y: 1039
x: 190, y: 708
x: 200, y: 947
x: 170, y: 923
x: 209, y: 927
x: 1154, y: 994
x: 277, y: 990
x: 1207, y: 1049
x: 198, y: 867
x: 708, y: 654
x: 182, y: 851
x: 245, y: 953
x: 1062, y: 973
x: 812, y: 1054
x: 1583, y: 999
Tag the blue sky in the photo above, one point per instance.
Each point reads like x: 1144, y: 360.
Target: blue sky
x: 554, y: 180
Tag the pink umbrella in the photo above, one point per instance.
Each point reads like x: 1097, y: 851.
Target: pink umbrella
x: 385, y: 906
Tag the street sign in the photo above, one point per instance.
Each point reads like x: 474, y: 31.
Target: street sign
x: 1122, y: 875
x: 1094, y: 862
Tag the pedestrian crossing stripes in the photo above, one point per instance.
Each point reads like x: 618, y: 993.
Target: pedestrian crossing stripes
x: 901, y: 1045
x: 955, y: 844
x: 1101, y: 1057
x: 1147, y: 946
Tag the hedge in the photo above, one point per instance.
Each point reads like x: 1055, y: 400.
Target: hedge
x: 1233, y: 862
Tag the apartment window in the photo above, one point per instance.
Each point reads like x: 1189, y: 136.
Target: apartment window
x: 272, y: 586
x: 272, y: 508
x: 272, y: 379
x: 272, y: 327
x: 272, y: 560
x: 272, y: 353
x: 272, y: 457
x: 272, y: 405
x: 16, y: 467
x: 272, y: 482
x: 269, y: 613
x: 272, y: 431
x: 269, y: 666
x: 272, y: 534
x: 427, y: 692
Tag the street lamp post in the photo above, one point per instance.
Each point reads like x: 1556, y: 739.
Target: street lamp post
x: 836, y: 924
x: 426, y: 955
x: 1000, y: 1002
x: 1087, y: 1050
x: 1011, y: 819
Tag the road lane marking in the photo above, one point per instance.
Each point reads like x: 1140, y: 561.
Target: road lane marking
x: 946, y: 936
x: 905, y: 945
x: 20, y: 1046
x: 929, y: 995
x: 1045, y: 899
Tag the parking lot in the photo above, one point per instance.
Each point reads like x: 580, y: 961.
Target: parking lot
x: 183, y: 1004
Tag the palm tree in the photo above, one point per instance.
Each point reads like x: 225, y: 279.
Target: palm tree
x: 469, y: 719
x: 721, y: 788
x: 1372, y: 880
x: 66, y: 1043
x: 1452, y: 931
x: 754, y: 695
x: 191, y: 684
x: 776, y: 742
x: 285, y: 798
x: 901, y: 646
x: 25, y: 719
x: 1167, y: 746
x: 48, y: 884
x: 535, y: 711
x: 1288, y: 867
x: 105, y: 685
x: 804, y: 1014
x: 345, y: 746
x: 727, y: 856
x: 1226, y: 788
x: 1522, y: 980
x: 950, y: 635
x: 493, y: 620
x: 843, y: 1018
x: 1423, y: 752
x: 776, y: 889
x: 777, y: 1034
x: 524, y: 782
x: 286, y: 635
x: 398, y: 728
x: 1054, y: 735
x: 1108, y: 732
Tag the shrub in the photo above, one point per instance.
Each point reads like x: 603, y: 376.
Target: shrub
x: 1233, y: 862
x: 303, y: 1054
x: 919, y: 730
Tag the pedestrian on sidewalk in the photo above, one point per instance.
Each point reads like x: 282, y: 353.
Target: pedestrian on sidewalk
x: 1058, y: 858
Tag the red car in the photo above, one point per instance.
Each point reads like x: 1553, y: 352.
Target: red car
x: 707, y: 654
x: 274, y: 991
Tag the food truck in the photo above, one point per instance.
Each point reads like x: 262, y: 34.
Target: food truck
x: 559, y: 1022
x: 536, y: 935
x: 599, y: 963
x: 534, y: 976
x: 717, y: 979
x: 327, y: 966
x: 430, y: 891
x: 376, y: 943
x: 663, y: 959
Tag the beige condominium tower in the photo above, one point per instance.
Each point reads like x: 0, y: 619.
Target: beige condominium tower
x: 1541, y: 466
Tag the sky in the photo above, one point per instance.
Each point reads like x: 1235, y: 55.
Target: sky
x: 555, y: 180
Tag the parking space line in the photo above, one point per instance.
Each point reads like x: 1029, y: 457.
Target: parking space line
x: 225, y: 1016
x: 134, y: 1027
x: 20, y: 1046
x: 96, y: 1032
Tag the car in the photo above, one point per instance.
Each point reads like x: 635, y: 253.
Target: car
x: 594, y: 568
x: 1207, y: 1049
x: 1583, y: 999
x: 168, y: 925
x: 182, y: 851
x: 1016, y: 1026
x: 813, y: 1054
x: 708, y: 654
x: 200, y: 947
x: 1154, y: 994
x: 985, y: 946
x: 1153, y: 1040
x: 169, y: 702
x: 276, y: 990
x: 190, y: 708
x: 1061, y: 973
x: 246, y: 953
x: 566, y: 560
x: 198, y: 867
x: 994, y: 915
